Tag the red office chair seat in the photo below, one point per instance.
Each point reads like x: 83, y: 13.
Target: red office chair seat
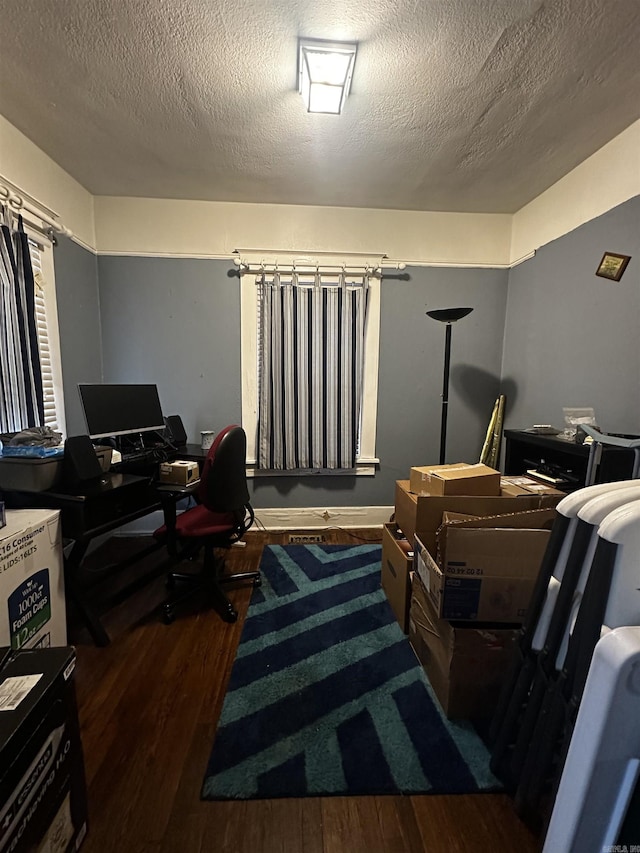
x: 221, y: 519
x: 200, y: 521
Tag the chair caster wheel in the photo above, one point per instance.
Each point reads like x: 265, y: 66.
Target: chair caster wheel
x: 168, y: 615
x: 257, y: 582
x: 230, y: 615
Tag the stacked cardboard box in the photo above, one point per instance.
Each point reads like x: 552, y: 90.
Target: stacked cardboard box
x: 485, y: 568
x: 465, y: 664
x: 522, y: 485
x: 422, y: 514
x: 478, y: 540
x: 397, y: 564
x: 457, y: 479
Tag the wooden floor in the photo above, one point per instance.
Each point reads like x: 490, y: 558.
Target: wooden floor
x: 148, y: 706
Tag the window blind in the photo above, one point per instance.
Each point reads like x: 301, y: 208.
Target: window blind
x: 51, y: 418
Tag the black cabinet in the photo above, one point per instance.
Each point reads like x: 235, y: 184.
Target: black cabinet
x: 566, y: 459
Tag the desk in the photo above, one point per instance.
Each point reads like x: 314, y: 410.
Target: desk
x: 190, y: 453
x: 96, y: 508
x: 525, y: 450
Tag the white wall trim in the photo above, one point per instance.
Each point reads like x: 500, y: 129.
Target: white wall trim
x: 213, y: 256
x: 37, y: 175
x: 75, y: 239
x: 295, y: 518
x: 198, y: 229
x: 197, y: 256
x: 603, y: 181
x: 192, y: 228
x: 204, y: 256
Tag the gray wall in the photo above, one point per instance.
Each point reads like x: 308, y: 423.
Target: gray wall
x: 412, y: 360
x: 76, y: 271
x: 571, y: 337
x: 176, y: 322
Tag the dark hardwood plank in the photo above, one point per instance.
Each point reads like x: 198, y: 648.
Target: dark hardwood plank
x: 484, y: 823
x: 398, y: 824
x: 149, y: 705
x: 366, y: 824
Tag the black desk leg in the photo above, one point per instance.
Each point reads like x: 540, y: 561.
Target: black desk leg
x: 72, y: 587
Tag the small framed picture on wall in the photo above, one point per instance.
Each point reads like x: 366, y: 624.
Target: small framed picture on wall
x: 612, y: 266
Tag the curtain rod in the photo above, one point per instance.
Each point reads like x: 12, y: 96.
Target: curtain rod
x: 20, y: 203
x: 309, y: 269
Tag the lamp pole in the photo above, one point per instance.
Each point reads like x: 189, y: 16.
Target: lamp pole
x: 445, y: 393
x: 447, y: 316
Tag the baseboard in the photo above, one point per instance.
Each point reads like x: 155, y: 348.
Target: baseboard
x: 317, y: 518
x: 298, y: 518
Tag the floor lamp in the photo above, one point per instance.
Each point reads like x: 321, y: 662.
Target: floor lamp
x: 448, y: 316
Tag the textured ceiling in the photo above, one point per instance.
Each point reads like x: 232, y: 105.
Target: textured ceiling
x: 461, y: 105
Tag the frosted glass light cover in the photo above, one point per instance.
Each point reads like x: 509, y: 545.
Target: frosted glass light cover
x: 324, y: 98
x: 325, y: 70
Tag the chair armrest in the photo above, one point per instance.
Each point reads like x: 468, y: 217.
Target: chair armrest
x: 170, y: 494
x: 176, y: 489
x: 611, y: 440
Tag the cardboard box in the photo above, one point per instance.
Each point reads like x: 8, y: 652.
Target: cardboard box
x: 452, y: 523
x: 523, y: 485
x: 423, y: 514
x: 43, y: 802
x: 397, y: 563
x: 460, y: 478
x: 448, y: 516
x: 484, y: 573
x: 32, y: 603
x: 180, y: 473
x: 465, y: 664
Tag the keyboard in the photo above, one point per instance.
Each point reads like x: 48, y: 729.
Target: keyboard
x: 138, y: 456
x: 143, y: 461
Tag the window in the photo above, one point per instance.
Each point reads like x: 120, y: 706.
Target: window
x: 48, y: 334
x: 366, y: 458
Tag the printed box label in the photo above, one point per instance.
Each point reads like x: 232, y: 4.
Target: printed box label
x: 29, y: 608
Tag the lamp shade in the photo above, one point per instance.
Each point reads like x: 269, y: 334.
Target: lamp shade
x: 449, y: 315
x: 325, y: 70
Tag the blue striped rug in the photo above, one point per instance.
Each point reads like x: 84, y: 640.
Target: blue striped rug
x: 326, y: 695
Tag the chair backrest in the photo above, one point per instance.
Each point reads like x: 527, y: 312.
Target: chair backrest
x: 223, y: 482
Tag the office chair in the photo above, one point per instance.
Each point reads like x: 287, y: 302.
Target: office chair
x: 221, y: 518
x: 600, y: 440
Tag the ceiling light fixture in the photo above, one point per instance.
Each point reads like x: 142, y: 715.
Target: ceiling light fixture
x: 324, y: 70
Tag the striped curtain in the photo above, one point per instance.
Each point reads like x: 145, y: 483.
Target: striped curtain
x: 310, y: 365
x: 21, y: 397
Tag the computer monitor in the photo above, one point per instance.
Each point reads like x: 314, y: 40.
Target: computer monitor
x: 111, y: 410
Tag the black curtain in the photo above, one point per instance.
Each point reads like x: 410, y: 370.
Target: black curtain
x: 21, y: 394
